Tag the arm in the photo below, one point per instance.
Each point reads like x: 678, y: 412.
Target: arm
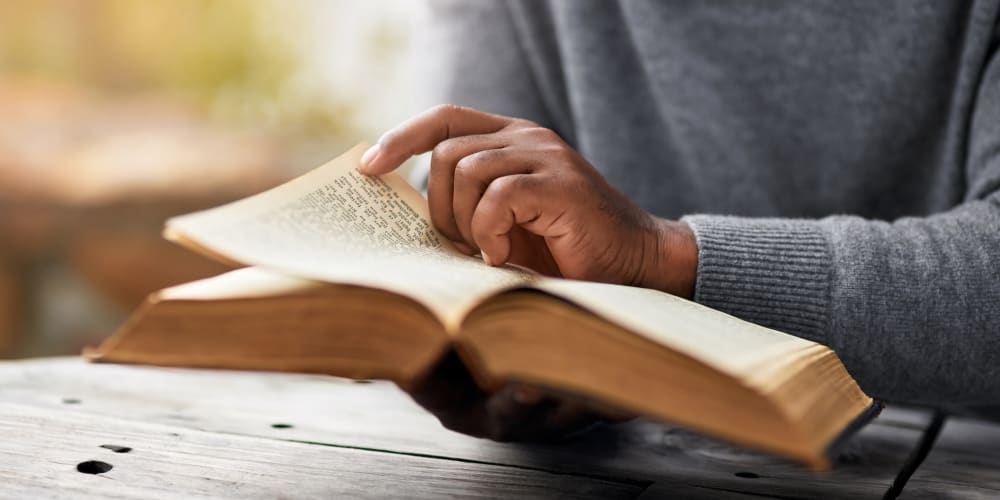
x: 911, y: 306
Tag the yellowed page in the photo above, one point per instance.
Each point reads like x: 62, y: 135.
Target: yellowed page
x: 249, y: 282
x: 334, y: 224
x: 730, y: 344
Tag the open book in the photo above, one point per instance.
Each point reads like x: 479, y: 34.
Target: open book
x: 350, y: 278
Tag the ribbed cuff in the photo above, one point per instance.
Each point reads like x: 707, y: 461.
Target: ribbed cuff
x: 773, y: 272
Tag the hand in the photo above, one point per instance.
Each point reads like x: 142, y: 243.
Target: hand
x: 514, y: 413
x: 517, y: 192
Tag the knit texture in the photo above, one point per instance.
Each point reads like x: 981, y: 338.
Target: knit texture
x: 774, y: 272
x: 838, y: 160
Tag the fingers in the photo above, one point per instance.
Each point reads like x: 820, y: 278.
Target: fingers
x: 531, y: 251
x: 514, y: 413
x: 440, y: 184
x: 525, y: 413
x: 450, y: 393
x: 424, y: 131
x: 470, y: 159
x: 510, y: 417
x: 473, y: 174
x: 461, y: 170
x: 511, y: 200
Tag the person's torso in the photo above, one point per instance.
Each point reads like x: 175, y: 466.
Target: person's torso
x: 798, y: 109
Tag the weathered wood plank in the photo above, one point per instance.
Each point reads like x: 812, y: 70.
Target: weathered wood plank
x: 378, y: 416
x: 907, y: 417
x: 42, y: 449
x: 964, y: 463
x: 673, y: 491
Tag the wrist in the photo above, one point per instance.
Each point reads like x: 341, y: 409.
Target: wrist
x: 670, y: 258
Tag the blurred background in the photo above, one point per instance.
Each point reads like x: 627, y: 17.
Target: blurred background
x: 116, y: 114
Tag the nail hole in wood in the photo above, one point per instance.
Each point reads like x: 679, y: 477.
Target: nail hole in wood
x: 71, y: 401
x: 115, y: 448
x: 282, y: 426
x: 748, y: 475
x: 93, y: 467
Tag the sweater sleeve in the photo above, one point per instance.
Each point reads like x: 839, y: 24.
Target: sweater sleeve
x: 911, y: 306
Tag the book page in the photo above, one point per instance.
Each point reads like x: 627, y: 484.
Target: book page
x: 334, y: 224
x: 730, y: 344
x: 246, y: 283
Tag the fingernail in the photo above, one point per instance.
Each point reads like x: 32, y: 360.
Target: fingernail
x: 370, y: 155
x: 486, y: 258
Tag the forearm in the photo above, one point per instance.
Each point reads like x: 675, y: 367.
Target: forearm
x: 912, y: 307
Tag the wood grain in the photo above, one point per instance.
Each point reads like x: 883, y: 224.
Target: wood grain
x: 964, y: 463
x: 43, y: 448
x: 665, y: 491
x: 340, y: 414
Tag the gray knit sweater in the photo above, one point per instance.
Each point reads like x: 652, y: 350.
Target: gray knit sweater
x: 839, y: 161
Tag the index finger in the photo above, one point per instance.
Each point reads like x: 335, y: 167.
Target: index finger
x: 424, y: 131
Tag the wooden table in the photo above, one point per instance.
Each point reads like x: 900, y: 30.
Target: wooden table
x: 69, y: 429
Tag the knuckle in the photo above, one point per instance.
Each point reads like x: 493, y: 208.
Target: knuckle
x: 468, y: 165
x: 561, y: 153
x: 522, y: 123
x: 513, y: 187
x: 487, y: 156
x: 444, y: 151
x: 506, y: 187
x: 445, y: 110
x: 545, y: 135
